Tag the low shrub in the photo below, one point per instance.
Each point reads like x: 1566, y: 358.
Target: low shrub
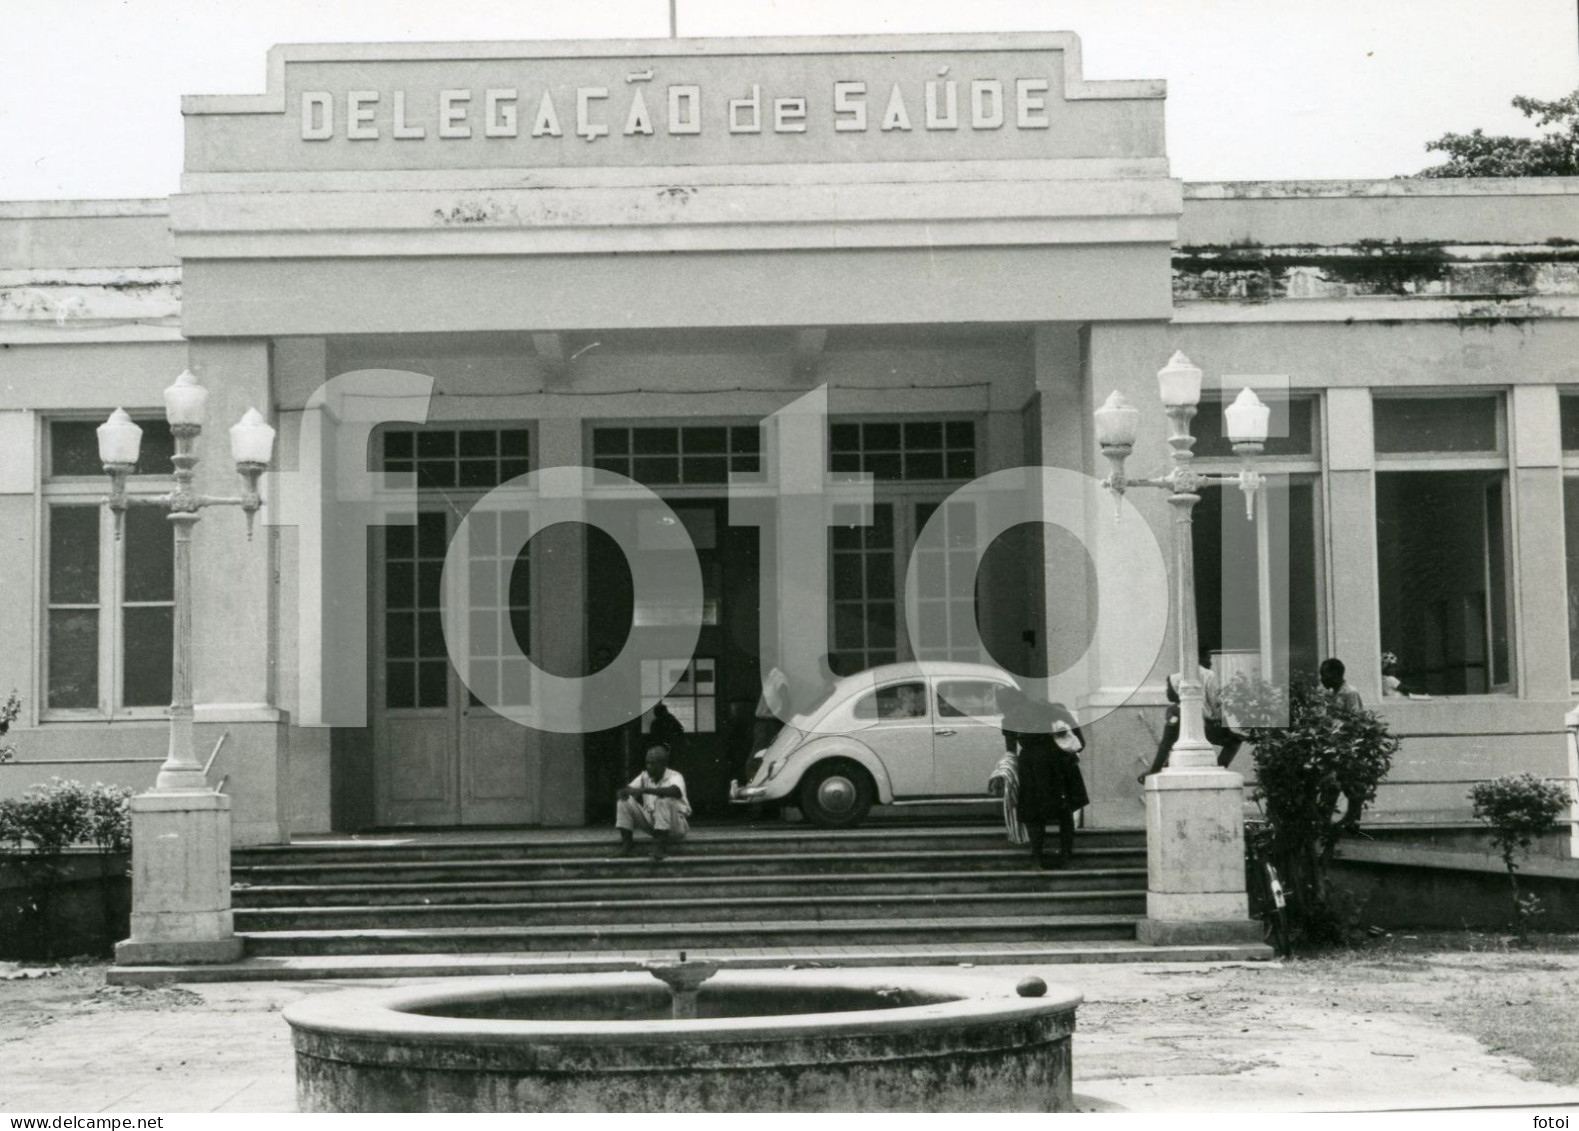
x: 1519, y: 808
x: 59, y: 814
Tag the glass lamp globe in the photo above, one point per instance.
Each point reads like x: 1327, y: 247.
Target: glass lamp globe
x: 1179, y: 382
x: 1117, y: 422
x: 184, y: 401
x: 251, y: 439
x: 1247, y: 419
x: 120, y: 439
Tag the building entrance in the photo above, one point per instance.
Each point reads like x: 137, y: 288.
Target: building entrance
x: 714, y: 691
x: 439, y: 756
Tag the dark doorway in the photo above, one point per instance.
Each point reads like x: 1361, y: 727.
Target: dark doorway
x: 714, y: 690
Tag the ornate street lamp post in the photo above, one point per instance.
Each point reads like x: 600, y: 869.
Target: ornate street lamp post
x: 181, y: 884
x: 252, y: 446
x: 1194, y: 817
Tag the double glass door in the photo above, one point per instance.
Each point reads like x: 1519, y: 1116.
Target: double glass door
x: 440, y: 756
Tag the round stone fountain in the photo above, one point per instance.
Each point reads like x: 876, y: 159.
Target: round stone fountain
x: 778, y: 1040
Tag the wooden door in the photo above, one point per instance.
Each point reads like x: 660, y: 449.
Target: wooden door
x: 440, y: 757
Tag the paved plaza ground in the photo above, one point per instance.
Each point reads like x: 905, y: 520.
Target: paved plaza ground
x: 1403, y: 1025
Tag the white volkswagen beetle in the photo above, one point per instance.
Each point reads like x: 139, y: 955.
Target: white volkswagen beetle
x: 890, y: 735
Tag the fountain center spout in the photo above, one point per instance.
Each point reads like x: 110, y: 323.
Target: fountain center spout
x: 684, y: 978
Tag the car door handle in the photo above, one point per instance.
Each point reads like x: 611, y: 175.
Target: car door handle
x: 944, y: 733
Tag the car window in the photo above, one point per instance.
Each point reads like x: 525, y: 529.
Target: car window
x: 967, y: 698
x: 897, y: 701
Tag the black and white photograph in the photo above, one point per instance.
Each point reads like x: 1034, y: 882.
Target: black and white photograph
x: 780, y: 556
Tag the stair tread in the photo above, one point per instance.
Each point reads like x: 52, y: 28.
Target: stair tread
x: 545, y: 907
x: 682, y: 859
x: 641, y: 929
x: 895, y: 878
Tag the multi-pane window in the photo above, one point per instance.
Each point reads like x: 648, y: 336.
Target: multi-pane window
x: 678, y: 456
x: 1570, y: 434
x: 945, y: 596
x: 465, y: 458
x: 693, y: 691
x: 74, y: 607
x: 109, y: 605
x: 499, y: 587
x: 1434, y: 425
x: 1443, y: 537
x: 892, y: 451
x: 865, y: 601
x: 416, y: 663
x: 147, y: 608
x: 1259, y: 585
x: 1291, y: 427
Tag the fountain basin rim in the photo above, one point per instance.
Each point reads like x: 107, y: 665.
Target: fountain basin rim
x: 384, y: 1013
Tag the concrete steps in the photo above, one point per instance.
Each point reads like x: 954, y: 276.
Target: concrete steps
x: 710, y: 867
x: 723, y: 889
x: 820, y: 908
x: 665, y: 937
x: 663, y: 888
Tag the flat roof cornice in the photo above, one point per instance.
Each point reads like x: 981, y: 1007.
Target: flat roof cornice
x: 73, y: 209
x: 1390, y: 187
x: 273, y: 101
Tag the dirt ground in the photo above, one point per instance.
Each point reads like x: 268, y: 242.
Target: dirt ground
x: 1406, y: 1023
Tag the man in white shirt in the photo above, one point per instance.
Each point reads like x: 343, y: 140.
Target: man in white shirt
x: 772, y: 707
x: 655, y: 803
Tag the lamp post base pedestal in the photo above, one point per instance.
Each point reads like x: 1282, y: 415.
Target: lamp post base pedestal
x: 219, y: 952
x: 1195, y: 857
x: 1197, y: 932
x: 180, y: 881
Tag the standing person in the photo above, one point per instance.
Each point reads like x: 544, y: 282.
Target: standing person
x: 666, y: 730
x: 655, y: 803
x: 1217, y: 730
x: 1332, y: 674
x: 771, y: 709
x: 1039, y: 778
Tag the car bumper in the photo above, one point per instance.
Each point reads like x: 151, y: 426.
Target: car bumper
x: 746, y: 794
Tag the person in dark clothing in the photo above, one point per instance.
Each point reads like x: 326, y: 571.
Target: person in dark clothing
x: 1039, y: 778
x: 666, y: 730
x: 1217, y: 731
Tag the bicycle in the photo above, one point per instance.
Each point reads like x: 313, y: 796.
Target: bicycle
x: 1267, y: 898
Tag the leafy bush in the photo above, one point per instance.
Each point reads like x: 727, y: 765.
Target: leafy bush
x: 1317, y: 766
x: 52, y: 817
x: 9, y: 710
x: 1519, y: 808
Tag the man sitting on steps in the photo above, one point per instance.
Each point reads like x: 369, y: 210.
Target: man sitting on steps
x: 655, y: 802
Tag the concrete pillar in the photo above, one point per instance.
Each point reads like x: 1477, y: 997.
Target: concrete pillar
x: 559, y: 562
x: 1065, y: 404
x: 234, y: 605
x: 1540, y: 583
x: 300, y: 365
x: 1355, y: 618
x: 1007, y: 612
x: 1126, y: 358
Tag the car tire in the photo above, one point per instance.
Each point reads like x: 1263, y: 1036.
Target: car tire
x: 836, y: 794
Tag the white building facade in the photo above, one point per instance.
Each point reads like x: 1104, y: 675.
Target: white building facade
x: 627, y: 256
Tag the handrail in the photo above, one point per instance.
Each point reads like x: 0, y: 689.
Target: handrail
x: 209, y: 765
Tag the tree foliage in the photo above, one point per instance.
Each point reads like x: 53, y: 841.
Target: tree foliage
x: 1554, y: 153
x: 1519, y: 808
x: 1318, y: 765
